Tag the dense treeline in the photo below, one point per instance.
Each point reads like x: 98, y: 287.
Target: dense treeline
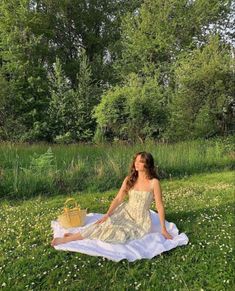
x: 108, y: 69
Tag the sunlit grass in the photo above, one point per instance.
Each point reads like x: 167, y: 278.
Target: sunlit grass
x: 202, y: 206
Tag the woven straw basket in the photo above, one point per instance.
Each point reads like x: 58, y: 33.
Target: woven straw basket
x: 72, y: 217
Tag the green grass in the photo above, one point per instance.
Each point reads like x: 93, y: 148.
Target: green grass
x: 30, y: 170
x: 201, y: 205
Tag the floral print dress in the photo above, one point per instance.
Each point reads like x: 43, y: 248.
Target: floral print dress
x: 130, y: 220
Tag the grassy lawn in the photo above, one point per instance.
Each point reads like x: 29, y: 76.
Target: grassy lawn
x: 201, y: 205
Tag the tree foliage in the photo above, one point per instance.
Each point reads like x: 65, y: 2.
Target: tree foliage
x: 205, y: 87
x: 69, y: 113
x: 135, y: 110
x: 145, y: 68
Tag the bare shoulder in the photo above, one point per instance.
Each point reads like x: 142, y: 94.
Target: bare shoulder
x: 155, y: 181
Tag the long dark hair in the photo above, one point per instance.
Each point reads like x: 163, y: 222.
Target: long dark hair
x: 151, y: 170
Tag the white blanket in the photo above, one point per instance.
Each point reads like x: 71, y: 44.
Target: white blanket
x: 149, y: 246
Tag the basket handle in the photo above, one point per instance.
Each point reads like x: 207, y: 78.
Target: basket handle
x: 69, y: 200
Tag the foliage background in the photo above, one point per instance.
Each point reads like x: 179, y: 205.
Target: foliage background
x: 93, y: 71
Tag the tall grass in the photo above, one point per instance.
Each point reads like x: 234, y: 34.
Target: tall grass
x: 29, y: 170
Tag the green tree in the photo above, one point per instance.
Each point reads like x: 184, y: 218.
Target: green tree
x: 134, y: 111
x: 70, y: 108
x: 161, y: 33
x: 34, y: 32
x: 157, y: 33
x: 23, y: 69
x: 204, y: 81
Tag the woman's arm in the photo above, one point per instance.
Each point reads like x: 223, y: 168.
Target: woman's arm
x: 160, y: 207
x: 119, y: 197
x: 116, y: 201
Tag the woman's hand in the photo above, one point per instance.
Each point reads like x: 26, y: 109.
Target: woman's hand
x: 166, y: 234
x: 103, y: 219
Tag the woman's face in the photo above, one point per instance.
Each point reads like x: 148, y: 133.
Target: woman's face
x: 139, y: 163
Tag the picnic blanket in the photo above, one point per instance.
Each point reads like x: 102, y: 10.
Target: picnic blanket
x: 147, y: 247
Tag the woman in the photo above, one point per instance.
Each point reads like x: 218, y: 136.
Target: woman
x: 128, y: 220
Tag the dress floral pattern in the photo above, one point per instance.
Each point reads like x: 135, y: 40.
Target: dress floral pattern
x: 130, y: 220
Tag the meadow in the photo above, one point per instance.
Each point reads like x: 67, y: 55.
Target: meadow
x: 42, y: 169
x: 198, y: 192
